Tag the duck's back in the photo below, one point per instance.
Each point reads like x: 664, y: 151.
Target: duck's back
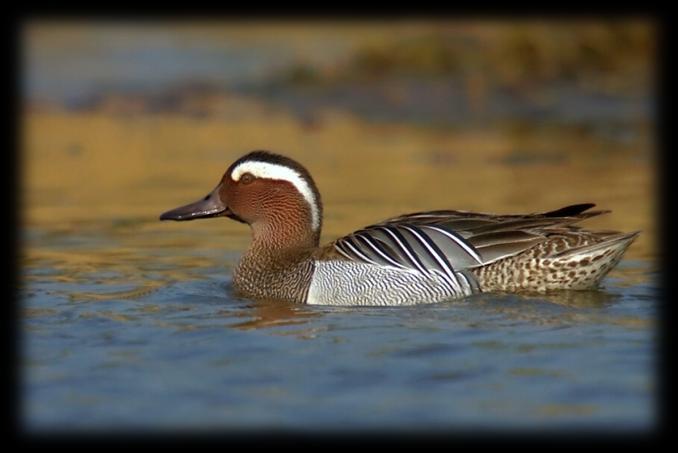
x: 437, y: 255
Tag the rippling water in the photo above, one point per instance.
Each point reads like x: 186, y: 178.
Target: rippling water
x: 131, y: 323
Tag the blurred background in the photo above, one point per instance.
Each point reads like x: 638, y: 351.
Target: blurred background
x: 126, y: 119
x: 129, y: 321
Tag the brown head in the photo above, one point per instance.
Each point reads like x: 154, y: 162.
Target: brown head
x: 274, y: 194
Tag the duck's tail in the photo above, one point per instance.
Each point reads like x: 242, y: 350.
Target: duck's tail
x: 541, y: 269
x: 589, y: 264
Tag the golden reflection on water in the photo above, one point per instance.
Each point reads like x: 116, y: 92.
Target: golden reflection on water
x: 102, y: 180
x: 274, y: 314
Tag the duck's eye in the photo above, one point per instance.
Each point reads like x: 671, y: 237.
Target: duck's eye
x: 246, y: 178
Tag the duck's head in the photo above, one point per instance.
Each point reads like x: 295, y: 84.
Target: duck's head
x: 274, y: 194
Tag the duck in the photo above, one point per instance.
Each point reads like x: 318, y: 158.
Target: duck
x: 415, y: 258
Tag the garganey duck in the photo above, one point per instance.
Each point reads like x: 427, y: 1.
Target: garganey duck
x: 423, y: 257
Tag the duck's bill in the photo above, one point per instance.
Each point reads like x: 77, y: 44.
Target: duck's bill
x: 210, y: 206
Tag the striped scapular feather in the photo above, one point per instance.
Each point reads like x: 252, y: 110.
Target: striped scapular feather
x: 447, y: 242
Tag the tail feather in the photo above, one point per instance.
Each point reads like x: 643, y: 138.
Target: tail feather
x: 581, y: 267
x: 569, y: 211
x: 619, y: 241
x: 597, y: 260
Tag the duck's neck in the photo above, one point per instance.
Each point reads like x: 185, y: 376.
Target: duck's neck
x: 278, y: 263
x: 282, y: 235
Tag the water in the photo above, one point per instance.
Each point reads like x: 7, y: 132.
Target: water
x: 187, y: 354
x: 129, y: 323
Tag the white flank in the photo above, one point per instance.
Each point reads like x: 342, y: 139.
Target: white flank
x: 280, y: 172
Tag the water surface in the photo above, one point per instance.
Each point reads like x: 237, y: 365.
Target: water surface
x: 130, y: 323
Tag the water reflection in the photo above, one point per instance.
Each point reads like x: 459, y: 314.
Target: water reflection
x: 271, y: 313
x: 595, y: 298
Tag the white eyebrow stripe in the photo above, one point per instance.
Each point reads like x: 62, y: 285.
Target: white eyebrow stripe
x: 280, y: 172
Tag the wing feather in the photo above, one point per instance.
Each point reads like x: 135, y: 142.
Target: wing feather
x: 448, y: 242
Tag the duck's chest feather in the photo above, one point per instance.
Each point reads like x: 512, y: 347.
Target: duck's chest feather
x: 284, y: 278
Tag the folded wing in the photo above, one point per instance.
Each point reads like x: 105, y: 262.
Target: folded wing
x: 449, y: 242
